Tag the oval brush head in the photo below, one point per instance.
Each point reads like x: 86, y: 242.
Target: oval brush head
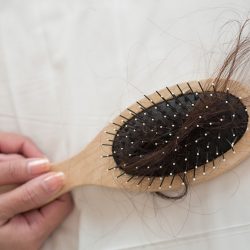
x: 181, y: 134
x: 170, y: 138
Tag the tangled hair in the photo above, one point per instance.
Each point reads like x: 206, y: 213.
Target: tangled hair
x: 194, y: 105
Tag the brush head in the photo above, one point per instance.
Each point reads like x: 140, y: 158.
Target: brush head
x: 180, y: 134
x: 186, y: 131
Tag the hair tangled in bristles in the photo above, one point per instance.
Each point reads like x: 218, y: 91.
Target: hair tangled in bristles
x: 233, y: 68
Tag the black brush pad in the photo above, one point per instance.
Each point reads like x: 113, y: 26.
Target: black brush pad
x: 180, y: 134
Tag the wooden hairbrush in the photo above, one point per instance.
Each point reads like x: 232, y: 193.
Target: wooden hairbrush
x: 185, y: 134
x: 219, y: 141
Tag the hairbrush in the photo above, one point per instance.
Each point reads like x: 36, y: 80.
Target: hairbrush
x: 180, y: 135
x: 187, y: 133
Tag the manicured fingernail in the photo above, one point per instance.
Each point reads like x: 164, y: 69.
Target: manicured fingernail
x: 54, y: 182
x: 38, y: 166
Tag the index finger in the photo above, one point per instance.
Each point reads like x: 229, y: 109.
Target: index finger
x: 13, y: 143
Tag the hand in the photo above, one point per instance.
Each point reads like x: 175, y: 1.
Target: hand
x: 25, y: 222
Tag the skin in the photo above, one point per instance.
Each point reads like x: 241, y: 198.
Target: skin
x: 25, y: 221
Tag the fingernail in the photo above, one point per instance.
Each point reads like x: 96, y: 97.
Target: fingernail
x: 38, y: 166
x: 54, y: 182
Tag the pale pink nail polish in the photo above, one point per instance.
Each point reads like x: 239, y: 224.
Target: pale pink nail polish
x: 54, y: 182
x: 38, y: 166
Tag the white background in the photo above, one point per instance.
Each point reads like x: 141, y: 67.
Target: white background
x: 68, y: 67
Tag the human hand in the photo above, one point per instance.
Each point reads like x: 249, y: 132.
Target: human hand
x: 25, y: 222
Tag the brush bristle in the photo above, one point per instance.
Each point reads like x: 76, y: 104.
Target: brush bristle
x: 172, y: 137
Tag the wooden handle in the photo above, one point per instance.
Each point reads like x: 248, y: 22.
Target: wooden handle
x: 87, y: 168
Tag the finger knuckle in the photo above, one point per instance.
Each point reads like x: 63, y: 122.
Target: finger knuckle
x: 34, y: 241
x: 4, y: 215
x: 12, y: 169
x: 29, y: 196
x: 39, y: 234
